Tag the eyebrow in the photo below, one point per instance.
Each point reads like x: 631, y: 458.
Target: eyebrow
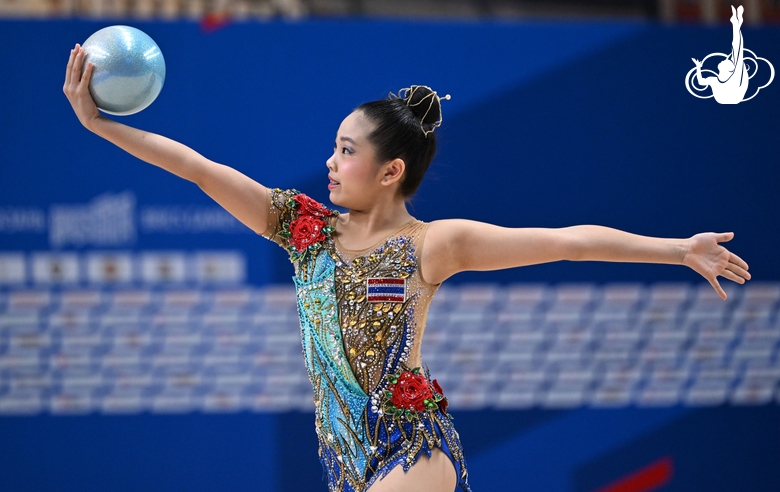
x: 347, y: 139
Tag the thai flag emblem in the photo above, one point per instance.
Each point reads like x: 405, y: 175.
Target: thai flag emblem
x: 386, y: 290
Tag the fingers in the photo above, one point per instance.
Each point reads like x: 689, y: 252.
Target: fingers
x: 77, y: 62
x: 69, y: 68
x: 740, y: 265
x: 732, y: 276
x: 732, y: 267
x: 715, y: 285
x: 88, y: 73
x: 738, y: 261
x: 724, y: 237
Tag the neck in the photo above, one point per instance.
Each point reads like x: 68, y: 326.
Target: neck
x: 383, y: 214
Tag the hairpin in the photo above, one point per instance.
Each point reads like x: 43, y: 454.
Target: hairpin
x: 407, y: 93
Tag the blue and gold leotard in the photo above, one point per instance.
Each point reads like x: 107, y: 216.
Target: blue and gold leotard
x: 362, y: 317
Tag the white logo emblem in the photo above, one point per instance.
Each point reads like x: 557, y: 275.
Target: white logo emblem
x: 730, y: 83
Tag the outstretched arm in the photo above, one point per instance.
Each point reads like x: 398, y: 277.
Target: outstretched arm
x: 453, y: 246
x: 243, y: 197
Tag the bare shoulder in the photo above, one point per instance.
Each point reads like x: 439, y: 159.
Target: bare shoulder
x: 444, y: 236
x: 441, y: 232
x: 438, y: 254
x: 449, y: 229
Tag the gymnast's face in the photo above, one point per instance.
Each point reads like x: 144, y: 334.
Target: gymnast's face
x: 354, y: 173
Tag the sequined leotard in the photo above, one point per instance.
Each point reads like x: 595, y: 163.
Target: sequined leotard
x: 362, y: 315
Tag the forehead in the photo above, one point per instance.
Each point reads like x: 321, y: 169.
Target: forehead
x: 355, y: 126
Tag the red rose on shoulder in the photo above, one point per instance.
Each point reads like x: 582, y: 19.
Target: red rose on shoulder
x: 308, y: 206
x: 305, y: 231
x: 411, y: 391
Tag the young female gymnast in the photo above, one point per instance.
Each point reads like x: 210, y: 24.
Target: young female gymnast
x: 365, y: 278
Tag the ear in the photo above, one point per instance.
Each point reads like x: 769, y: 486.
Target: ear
x: 393, y: 171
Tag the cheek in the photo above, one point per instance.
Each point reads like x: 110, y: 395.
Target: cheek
x: 360, y: 171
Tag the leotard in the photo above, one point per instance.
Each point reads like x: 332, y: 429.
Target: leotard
x: 362, y: 316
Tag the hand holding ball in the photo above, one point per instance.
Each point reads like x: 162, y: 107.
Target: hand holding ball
x: 128, y: 69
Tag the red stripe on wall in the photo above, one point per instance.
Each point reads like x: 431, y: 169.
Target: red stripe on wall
x: 644, y: 480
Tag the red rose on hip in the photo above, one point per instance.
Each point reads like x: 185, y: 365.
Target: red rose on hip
x: 411, y: 391
x: 307, y: 206
x: 443, y: 402
x: 437, y: 387
x: 305, y: 231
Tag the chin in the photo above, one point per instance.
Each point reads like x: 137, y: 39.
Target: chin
x: 334, y: 200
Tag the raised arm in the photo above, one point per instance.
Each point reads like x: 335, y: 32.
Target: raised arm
x: 453, y: 246
x: 244, y: 198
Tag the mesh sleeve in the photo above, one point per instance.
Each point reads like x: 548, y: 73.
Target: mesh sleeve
x: 280, y: 212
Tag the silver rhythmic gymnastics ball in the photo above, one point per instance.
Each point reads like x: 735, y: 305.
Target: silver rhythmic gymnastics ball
x: 128, y: 72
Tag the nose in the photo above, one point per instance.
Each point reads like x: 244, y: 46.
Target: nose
x: 330, y: 163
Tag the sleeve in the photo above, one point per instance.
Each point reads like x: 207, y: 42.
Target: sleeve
x: 280, y: 213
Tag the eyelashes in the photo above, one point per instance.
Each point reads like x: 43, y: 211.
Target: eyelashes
x: 344, y: 150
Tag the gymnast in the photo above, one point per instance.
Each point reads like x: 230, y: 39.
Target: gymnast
x: 365, y: 278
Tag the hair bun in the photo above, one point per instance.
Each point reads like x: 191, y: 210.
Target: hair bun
x: 425, y: 104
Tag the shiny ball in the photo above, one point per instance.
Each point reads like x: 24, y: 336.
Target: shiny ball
x: 128, y: 72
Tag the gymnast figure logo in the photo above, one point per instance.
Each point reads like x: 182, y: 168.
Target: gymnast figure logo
x: 730, y: 84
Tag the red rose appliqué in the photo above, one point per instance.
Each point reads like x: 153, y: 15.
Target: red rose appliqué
x: 306, y: 230
x: 307, y: 206
x: 411, y: 392
x: 443, y: 401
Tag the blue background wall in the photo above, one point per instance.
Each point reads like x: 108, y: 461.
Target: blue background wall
x: 550, y: 125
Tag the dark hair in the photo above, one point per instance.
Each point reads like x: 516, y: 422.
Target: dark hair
x: 404, y: 129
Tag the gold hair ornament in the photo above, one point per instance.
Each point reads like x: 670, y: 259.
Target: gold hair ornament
x: 408, y: 93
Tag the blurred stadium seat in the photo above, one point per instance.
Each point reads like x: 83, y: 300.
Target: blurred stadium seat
x: 222, y: 348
